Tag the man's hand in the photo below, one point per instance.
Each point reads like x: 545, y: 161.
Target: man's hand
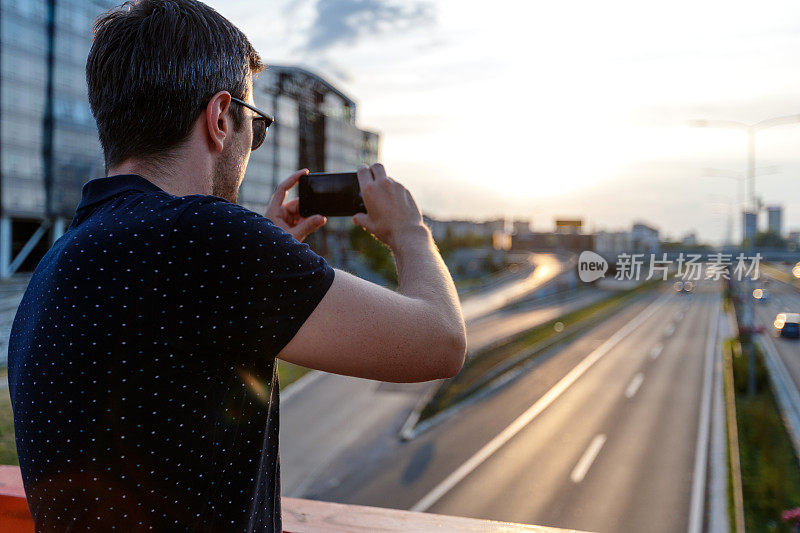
x: 392, y: 214
x: 365, y: 330
x: 287, y: 215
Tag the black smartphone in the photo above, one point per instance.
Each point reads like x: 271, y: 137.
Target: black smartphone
x: 333, y: 194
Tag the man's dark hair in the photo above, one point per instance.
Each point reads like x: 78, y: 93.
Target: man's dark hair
x: 153, y: 67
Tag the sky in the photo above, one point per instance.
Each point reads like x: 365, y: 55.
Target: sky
x: 538, y: 110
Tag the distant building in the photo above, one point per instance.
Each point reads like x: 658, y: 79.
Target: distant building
x: 775, y: 219
x: 521, y: 227
x: 750, y: 225
x: 450, y: 229
x: 571, y: 226
x: 568, y: 236
x: 612, y: 243
x: 794, y: 237
x: 645, y: 239
x: 641, y: 239
x: 493, y: 225
x: 690, y: 239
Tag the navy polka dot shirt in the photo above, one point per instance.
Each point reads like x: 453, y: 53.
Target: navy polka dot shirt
x: 142, y: 363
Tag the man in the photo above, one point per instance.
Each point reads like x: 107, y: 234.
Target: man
x: 142, y: 357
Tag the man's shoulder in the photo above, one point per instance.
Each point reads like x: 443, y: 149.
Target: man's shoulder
x: 226, y: 226
x: 214, y: 208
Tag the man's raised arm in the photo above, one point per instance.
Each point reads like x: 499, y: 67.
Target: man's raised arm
x: 364, y: 330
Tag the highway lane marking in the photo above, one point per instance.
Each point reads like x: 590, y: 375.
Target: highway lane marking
x: 634, y: 385
x: 534, y: 410
x: 583, y: 466
x: 656, y: 351
x: 696, y: 511
x: 670, y: 330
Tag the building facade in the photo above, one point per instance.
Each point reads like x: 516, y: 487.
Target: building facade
x: 750, y: 225
x: 48, y: 137
x: 775, y: 219
x: 456, y: 229
x: 641, y: 239
x: 645, y: 238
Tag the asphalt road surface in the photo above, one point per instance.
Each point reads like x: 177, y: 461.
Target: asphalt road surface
x: 600, y: 436
x: 332, y: 414
x: 782, y: 298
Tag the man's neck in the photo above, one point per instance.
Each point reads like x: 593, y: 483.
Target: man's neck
x: 177, y: 179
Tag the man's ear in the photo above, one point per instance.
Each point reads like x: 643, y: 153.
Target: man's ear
x: 218, y: 120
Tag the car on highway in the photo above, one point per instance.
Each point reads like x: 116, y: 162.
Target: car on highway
x: 787, y: 325
x: 761, y: 295
x: 683, y: 286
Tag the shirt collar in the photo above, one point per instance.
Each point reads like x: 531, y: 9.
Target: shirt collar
x: 101, y: 189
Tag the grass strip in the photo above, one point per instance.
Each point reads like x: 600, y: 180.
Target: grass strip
x: 498, y: 359
x: 8, y: 446
x: 735, y: 498
x: 770, y: 468
x: 288, y: 373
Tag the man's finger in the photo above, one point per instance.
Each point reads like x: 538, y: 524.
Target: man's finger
x: 364, y: 175
x: 292, y: 206
x: 378, y: 171
x: 283, y: 187
x: 360, y: 219
x: 307, y: 226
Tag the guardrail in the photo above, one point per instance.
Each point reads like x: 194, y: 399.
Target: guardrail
x: 299, y: 516
x: 786, y: 394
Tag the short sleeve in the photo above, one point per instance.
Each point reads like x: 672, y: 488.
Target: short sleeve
x: 241, y: 283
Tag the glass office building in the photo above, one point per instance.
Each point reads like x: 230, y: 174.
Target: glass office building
x: 45, y: 111
x: 48, y: 138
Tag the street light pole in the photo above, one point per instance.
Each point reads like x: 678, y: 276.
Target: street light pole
x: 751, y: 129
x: 751, y: 169
x: 740, y: 177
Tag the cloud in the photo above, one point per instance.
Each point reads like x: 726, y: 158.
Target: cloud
x: 343, y: 22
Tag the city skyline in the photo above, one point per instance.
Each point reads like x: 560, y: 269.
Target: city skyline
x: 461, y: 95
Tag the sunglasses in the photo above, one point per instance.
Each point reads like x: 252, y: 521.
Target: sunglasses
x: 260, y: 123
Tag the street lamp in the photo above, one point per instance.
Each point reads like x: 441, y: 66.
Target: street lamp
x: 751, y: 130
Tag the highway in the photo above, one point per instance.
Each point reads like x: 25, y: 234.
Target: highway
x: 604, y: 435
x: 314, y: 438
x: 325, y: 416
x: 782, y: 298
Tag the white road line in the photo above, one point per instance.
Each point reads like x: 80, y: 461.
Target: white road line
x: 670, y: 330
x: 583, y: 466
x: 533, y: 411
x: 696, y: 511
x: 656, y: 351
x: 634, y: 385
